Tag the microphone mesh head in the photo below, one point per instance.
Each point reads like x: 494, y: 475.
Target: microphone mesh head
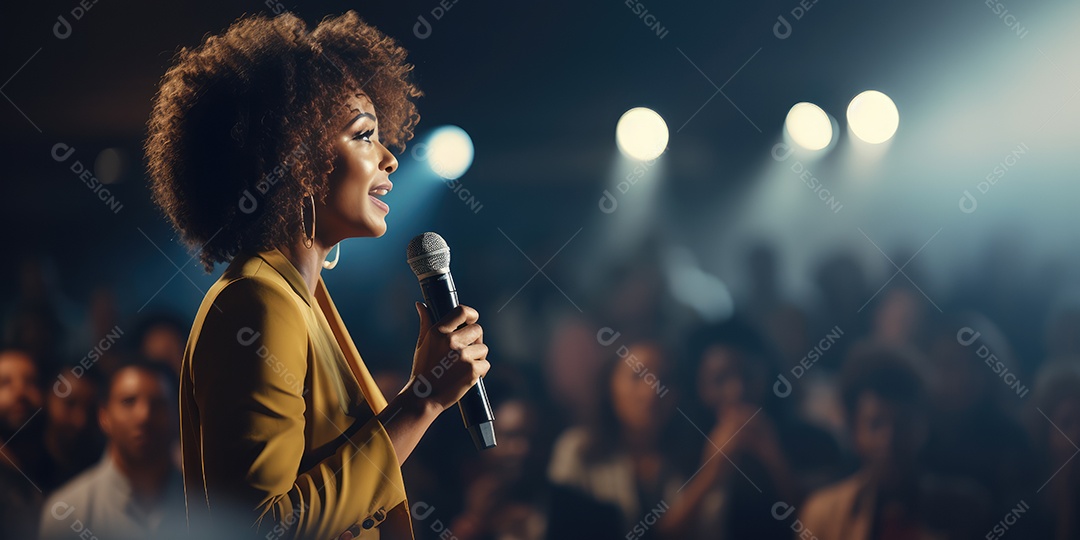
x: 428, y: 253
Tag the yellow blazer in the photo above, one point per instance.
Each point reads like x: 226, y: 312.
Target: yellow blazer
x: 277, y: 413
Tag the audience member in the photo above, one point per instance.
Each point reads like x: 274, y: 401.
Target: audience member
x: 135, y: 490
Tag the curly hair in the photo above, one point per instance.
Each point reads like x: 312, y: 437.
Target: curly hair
x: 888, y: 372
x: 240, y: 130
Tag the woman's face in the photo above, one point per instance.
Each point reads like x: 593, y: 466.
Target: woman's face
x: 638, y: 388
x: 720, y: 381
x: 887, y: 436
x: 360, y: 178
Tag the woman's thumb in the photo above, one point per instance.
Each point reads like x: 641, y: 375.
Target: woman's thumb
x: 425, y: 321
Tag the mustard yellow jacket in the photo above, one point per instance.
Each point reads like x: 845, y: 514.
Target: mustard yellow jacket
x: 277, y: 414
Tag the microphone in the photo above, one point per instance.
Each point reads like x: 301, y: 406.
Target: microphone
x: 429, y: 257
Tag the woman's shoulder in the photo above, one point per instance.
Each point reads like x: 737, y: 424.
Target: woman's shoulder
x: 572, y: 448
x: 573, y: 440
x: 248, y: 296
x: 834, y: 499
x: 567, y: 457
x: 255, y: 300
x: 250, y: 283
x: 241, y: 317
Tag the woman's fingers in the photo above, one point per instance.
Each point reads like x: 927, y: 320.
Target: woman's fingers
x: 460, y: 315
x: 475, y: 352
x: 452, y: 355
x: 462, y: 338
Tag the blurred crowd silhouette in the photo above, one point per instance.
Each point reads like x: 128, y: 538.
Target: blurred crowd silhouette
x: 862, y: 413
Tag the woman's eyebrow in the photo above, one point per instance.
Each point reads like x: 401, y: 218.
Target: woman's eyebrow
x: 359, y: 116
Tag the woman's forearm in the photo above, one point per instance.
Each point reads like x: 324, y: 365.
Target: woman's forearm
x: 687, y: 506
x: 406, y: 418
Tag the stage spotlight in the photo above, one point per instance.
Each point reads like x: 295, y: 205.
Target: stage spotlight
x: 873, y: 117
x: 449, y: 152
x: 641, y: 134
x: 809, y: 126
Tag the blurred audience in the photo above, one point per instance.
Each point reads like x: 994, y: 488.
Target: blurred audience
x: 1056, y: 429
x: 890, y: 496
x: 20, y: 444
x: 899, y: 319
x: 509, y: 495
x: 975, y: 388
x: 743, y: 467
x: 135, y: 490
x: 72, y: 439
x: 36, y: 321
x: 162, y: 338
x: 874, y: 411
x: 629, y: 454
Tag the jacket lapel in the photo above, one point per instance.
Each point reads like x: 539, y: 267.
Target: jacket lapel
x: 361, y: 375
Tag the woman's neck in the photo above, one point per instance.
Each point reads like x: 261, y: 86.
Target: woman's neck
x: 307, y: 261
x: 639, y: 441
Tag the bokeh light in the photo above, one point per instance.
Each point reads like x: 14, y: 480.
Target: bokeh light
x: 872, y: 117
x: 450, y: 152
x: 641, y: 134
x: 809, y: 126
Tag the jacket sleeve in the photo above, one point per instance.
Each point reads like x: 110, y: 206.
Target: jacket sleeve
x: 248, y: 369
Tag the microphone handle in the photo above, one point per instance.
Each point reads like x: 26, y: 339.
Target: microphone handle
x: 440, y: 295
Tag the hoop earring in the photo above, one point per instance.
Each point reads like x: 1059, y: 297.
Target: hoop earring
x: 309, y: 240
x: 329, y: 265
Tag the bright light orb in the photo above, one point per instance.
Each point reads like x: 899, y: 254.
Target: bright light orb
x: 872, y: 117
x: 450, y: 152
x: 809, y: 126
x: 641, y: 134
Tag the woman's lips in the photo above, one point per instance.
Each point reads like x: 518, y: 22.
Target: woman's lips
x: 379, y: 203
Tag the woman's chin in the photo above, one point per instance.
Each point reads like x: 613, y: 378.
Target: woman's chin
x: 367, y: 227
x: 377, y: 229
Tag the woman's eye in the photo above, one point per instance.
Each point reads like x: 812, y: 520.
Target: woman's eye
x: 364, y: 135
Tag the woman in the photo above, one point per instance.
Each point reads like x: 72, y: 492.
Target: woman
x: 742, y: 469
x: 630, y: 455
x: 266, y: 149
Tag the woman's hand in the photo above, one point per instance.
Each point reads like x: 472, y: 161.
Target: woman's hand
x: 450, y: 356
x: 734, y: 431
